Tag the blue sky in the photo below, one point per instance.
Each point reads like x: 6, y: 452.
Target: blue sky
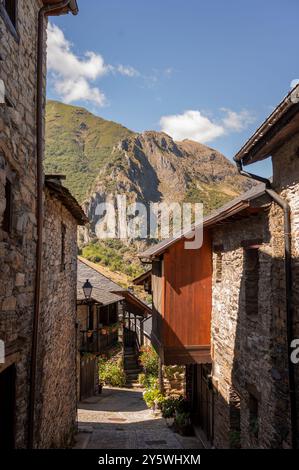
x: 211, y: 70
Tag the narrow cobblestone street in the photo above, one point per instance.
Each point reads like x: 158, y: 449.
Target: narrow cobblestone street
x: 119, y: 419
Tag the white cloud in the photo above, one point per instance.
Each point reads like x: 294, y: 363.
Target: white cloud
x: 294, y: 82
x: 127, y: 71
x: 73, y: 76
x: 237, y: 121
x: 191, y: 125
x: 194, y: 125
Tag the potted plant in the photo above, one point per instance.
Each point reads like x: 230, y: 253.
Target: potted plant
x: 182, y: 423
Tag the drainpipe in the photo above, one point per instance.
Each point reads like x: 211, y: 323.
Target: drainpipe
x: 43, y: 13
x: 288, y: 290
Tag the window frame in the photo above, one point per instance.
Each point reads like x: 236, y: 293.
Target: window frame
x: 253, y: 409
x: 6, y: 224
x: 63, y: 250
x: 248, y: 250
x: 13, y: 28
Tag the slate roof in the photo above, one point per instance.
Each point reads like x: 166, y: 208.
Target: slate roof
x: 102, y: 285
x: 72, y: 7
x: 227, y: 210
x: 53, y: 183
x: 279, y: 126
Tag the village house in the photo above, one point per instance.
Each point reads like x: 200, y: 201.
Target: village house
x: 98, y: 313
x: 229, y: 311
x: 55, y: 422
x: 108, y: 315
x: 38, y: 225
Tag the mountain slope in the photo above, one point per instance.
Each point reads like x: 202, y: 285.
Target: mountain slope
x: 151, y: 167
x: 102, y: 159
x: 78, y: 144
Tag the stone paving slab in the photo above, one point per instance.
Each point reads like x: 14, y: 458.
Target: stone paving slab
x: 120, y: 419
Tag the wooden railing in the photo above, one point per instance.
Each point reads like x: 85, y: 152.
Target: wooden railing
x: 131, y: 340
x: 95, y: 342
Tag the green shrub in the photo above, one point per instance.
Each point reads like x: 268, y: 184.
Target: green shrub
x: 112, y: 373
x: 150, y: 361
x: 148, y: 381
x: 182, y: 419
x: 152, y: 396
x: 110, y: 253
x: 172, y: 406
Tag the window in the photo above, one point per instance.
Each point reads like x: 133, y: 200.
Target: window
x: 11, y: 9
x: 251, y: 273
x: 235, y: 420
x: 7, y: 215
x: 63, y: 233
x: 218, y: 266
x: 253, y: 416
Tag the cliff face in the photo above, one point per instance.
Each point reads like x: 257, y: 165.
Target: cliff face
x: 102, y: 159
x: 151, y: 167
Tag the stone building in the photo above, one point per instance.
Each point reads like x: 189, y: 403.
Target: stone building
x: 22, y: 80
x: 245, y: 395
x: 278, y: 139
x: 97, y: 322
x: 56, y: 398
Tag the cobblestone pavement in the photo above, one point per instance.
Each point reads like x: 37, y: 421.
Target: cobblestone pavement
x: 119, y: 419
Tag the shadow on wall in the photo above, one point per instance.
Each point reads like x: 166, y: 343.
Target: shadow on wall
x: 256, y: 410
x: 250, y: 405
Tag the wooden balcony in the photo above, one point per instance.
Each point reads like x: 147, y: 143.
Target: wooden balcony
x: 96, y: 341
x: 182, y: 303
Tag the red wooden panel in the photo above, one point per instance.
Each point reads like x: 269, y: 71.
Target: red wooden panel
x: 187, y: 295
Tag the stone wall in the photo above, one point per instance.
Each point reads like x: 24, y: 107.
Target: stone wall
x: 57, y: 374
x: 249, y: 352
x: 18, y: 162
x: 174, y: 380
x: 286, y: 182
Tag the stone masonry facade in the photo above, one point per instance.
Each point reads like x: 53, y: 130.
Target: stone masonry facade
x: 18, y: 166
x: 56, y: 373
x: 249, y: 351
x: 56, y: 401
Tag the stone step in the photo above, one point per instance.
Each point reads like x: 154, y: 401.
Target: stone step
x: 132, y: 375
x: 131, y: 365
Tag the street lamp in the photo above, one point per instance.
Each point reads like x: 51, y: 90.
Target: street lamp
x: 87, y: 289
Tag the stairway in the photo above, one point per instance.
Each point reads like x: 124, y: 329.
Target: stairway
x: 132, y: 368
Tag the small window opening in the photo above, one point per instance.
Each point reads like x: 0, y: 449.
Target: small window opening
x: 7, y: 215
x: 235, y: 420
x: 251, y: 280
x: 253, y: 416
x: 11, y: 9
x: 218, y: 266
x: 63, y: 236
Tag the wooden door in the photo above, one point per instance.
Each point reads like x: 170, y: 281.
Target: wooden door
x: 7, y: 408
x: 87, y: 377
x: 203, y: 400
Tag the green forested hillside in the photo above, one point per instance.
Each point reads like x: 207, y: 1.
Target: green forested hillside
x: 78, y: 144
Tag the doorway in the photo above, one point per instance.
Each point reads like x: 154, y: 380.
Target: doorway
x: 7, y: 407
x: 202, y: 401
